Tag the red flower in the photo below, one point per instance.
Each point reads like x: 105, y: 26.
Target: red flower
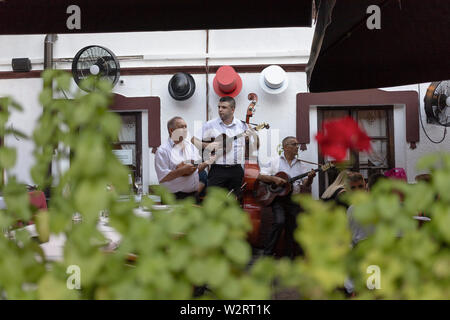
x: 340, y: 135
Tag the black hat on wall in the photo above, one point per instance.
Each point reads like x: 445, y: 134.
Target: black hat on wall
x: 181, y: 86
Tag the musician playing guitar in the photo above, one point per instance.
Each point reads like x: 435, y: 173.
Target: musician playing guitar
x: 284, y: 210
x: 177, y: 162
x: 227, y: 171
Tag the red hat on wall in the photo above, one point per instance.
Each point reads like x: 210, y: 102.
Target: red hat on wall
x: 227, y: 82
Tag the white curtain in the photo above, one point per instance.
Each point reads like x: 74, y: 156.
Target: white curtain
x: 128, y: 133
x: 374, y: 123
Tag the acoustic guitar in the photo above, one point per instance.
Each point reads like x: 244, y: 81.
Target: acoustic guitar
x: 265, y: 193
x: 226, y: 142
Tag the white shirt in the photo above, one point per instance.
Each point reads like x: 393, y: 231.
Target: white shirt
x: 280, y: 163
x: 215, y: 127
x: 2, y: 203
x: 168, y: 156
x: 359, y: 232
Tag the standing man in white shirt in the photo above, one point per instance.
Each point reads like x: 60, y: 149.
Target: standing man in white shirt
x: 284, y: 210
x: 177, y: 162
x: 228, y: 170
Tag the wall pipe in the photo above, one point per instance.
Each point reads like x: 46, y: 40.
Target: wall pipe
x: 50, y: 39
x: 207, y: 74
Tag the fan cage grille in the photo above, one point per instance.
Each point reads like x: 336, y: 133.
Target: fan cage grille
x: 109, y: 67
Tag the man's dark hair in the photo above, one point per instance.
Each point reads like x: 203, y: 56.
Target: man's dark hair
x: 230, y: 100
x: 171, y: 122
x: 423, y: 177
x: 283, y: 143
x: 354, y: 176
x: 374, y: 178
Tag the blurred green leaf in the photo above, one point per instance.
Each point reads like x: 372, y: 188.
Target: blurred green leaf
x: 427, y: 162
x: 207, y: 235
x: 197, y: 272
x: 63, y: 81
x: 238, y: 251
x: 7, y: 157
x: 51, y: 288
x: 43, y: 225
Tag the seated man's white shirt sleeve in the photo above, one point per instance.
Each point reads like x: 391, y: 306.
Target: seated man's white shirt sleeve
x: 270, y: 167
x: 296, y: 185
x: 162, y: 164
x: 265, y: 169
x: 199, y: 132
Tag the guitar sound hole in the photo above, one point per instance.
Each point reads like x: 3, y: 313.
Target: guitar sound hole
x: 275, y: 189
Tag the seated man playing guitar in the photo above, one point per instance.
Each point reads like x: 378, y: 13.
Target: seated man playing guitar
x: 177, y: 161
x: 284, y: 210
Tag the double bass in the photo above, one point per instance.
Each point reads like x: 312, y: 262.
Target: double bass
x: 251, y: 172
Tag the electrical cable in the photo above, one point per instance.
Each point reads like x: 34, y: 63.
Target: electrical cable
x: 423, y: 127
x: 64, y: 93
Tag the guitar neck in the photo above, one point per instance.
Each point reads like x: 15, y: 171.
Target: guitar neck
x: 239, y: 135
x: 246, y: 132
x: 302, y: 175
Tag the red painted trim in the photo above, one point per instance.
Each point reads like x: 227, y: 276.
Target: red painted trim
x: 150, y: 104
x: 20, y: 75
x: 359, y: 97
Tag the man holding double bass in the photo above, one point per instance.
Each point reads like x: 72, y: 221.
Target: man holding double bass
x: 284, y: 210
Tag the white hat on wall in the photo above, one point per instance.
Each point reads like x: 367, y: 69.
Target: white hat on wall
x: 273, y: 79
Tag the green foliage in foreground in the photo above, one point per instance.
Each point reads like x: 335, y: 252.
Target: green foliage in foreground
x: 413, y: 262
x: 189, y: 246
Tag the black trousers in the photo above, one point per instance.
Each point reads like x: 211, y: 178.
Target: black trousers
x: 182, y: 195
x: 285, y: 214
x: 225, y: 176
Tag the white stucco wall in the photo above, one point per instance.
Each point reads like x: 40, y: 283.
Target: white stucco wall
x: 26, y: 93
x: 404, y: 156
x: 260, y: 46
x: 188, y: 48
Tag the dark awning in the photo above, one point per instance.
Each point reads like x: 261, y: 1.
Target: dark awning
x: 44, y: 16
x: 412, y: 46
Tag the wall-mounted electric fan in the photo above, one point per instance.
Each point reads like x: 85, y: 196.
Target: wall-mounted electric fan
x: 437, y: 103
x: 95, y: 61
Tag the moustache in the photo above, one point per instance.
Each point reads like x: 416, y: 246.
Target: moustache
x: 179, y: 134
